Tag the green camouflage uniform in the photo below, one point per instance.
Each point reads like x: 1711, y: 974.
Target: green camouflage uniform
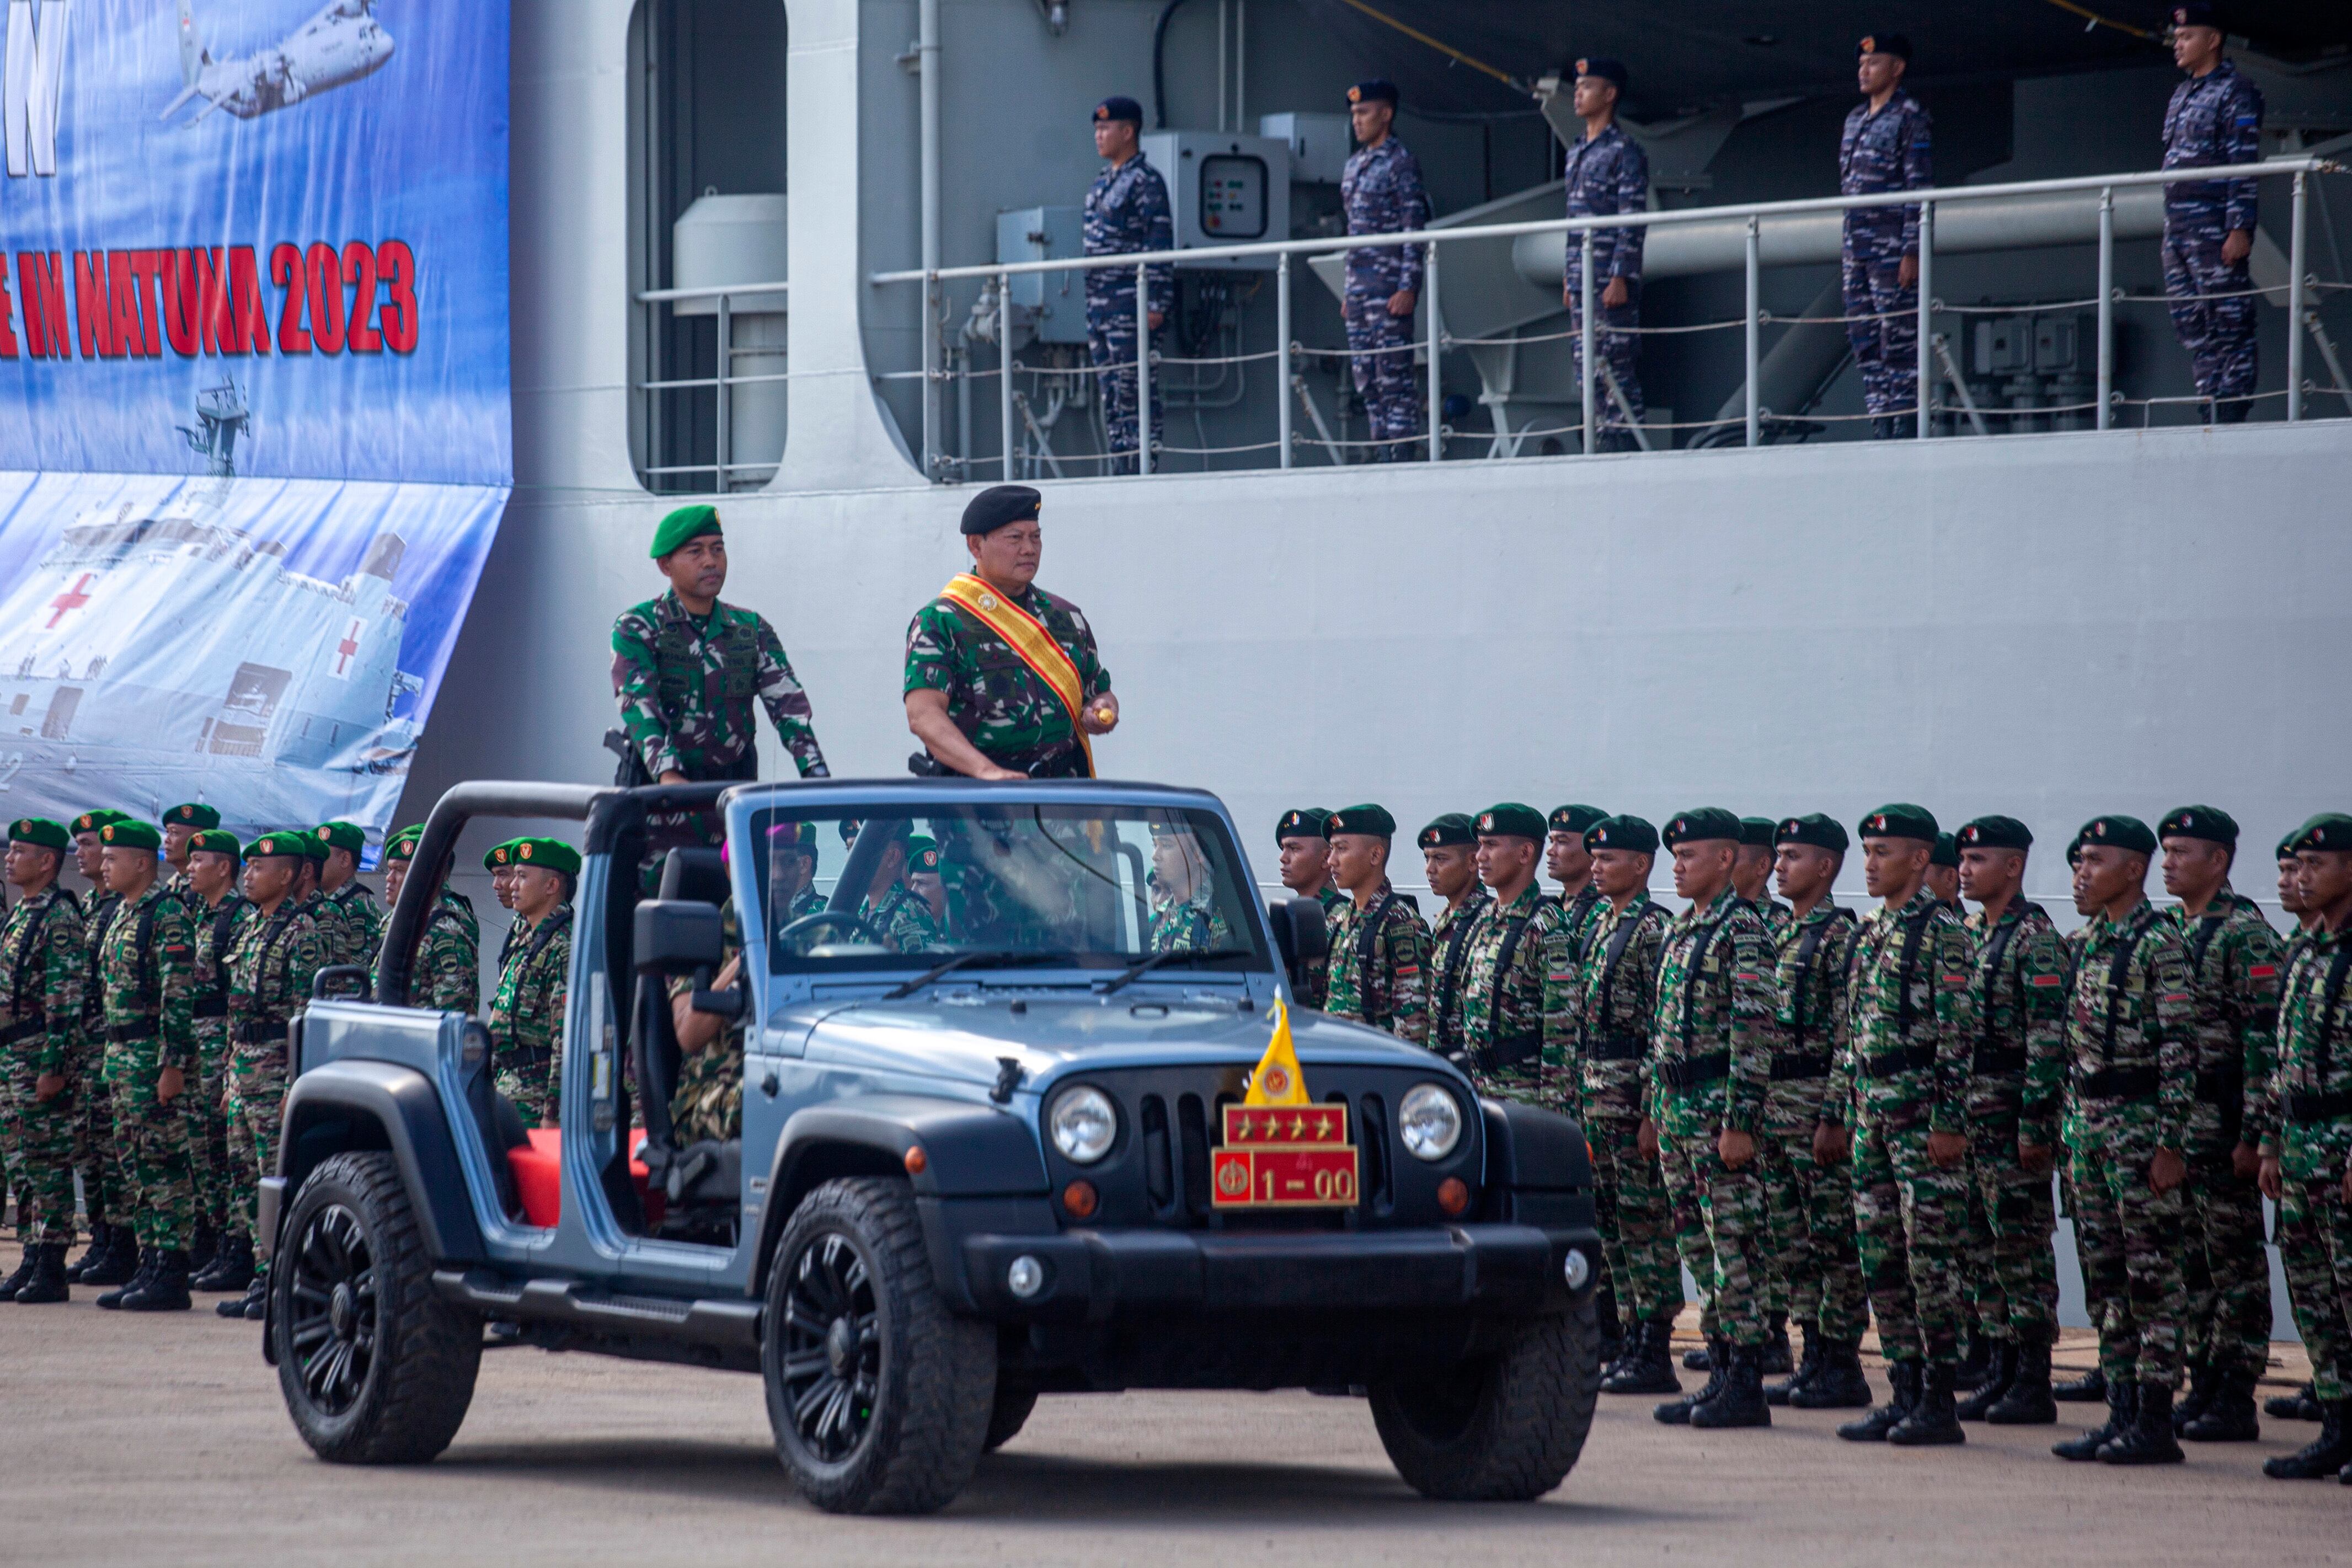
x: 1817, y: 1276
x: 2307, y: 1128
x: 271, y: 962
x: 527, y: 1019
x: 2017, y: 993
x: 1600, y: 997
x: 1501, y: 1006
x: 448, y: 973
x: 1710, y: 1068
x: 44, y: 969
x: 147, y: 991
x: 98, y: 1157
x: 2132, y: 1088
x: 1379, y: 956
x: 359, y: 923
x: 1184, y: 925
x: 1900, y: 1074
x: 1778, y: 918
x: 994, y: 697
x: 1580, y: 914
x: 707, y: 1104
x: 903, y: 921
x: 1449, y: 940
x: 686, y: 685
x: 216, y: 927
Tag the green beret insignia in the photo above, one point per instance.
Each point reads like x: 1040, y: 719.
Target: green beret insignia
x: 340, y: 835
x: 213, y: 841
x: 131, y: 834
x: 686, y: 523
x: 1304, y: 824
x: 294, y: 846
x: 2208, y: 822
x: 922, y: 852
x: 39, y: 831
x: 1623, y: 832
x: 1901, y: 822
x: 1372, y: 820
x: 2286, y: 844
x: 2330, y: 831
x: 92, y: 822
x: 499, y: 855
x: 1814, y: 829
x: 1996, y: 833
x: 1452, y: 827
x: 193, y: 815
x: 1577, y: 819
x: 402, y: 845
x: 1512, y: 820
x: 1704, y: 825
x: 2123, y: 832
x: 547, y: 854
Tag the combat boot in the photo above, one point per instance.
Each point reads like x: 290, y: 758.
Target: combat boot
x: 2091, y: 1388
x: 2147, y: 1440
x: 2028, y: 1403
x: 1903, y: 1386
x: 2323, y: 1457
x: 1649, y: 1363
x: 148, y: 1260
x: 1697, y: 1361
x: 232, y: 1267
x: 2123, y: 1410
x: 2229, y: 1414
x: 167, y: 1289
x: 1837, y: 1382
x: 1807, y: 1370
x: 1935, y: 1418
x: 1740, y: 1400
x: 246, y: 1306
x: 2201, y: 1385
x: 203, y: 1249
x: 111, y: 1261
x: 1779, y: 1361
x: 26, y: 1267
x: 48, y: 1282
x: 1995, y: 1388
x: 1677, y: 1412
x: 2302, y: 1404
x: 1976, y: 1366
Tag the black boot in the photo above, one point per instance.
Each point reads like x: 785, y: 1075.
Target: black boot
x: 1837, y: 1383
x: 2315, y: 1461
x: 1613, y: 1333
x: 248, y: 1305
x: 1779, y: 1360
x: 203, y: 1250
x: 1807, y: 1370
x: 1697, y: 1361
x: 232, y: 1268
x: 2091, y: 1388
x: 148, y: 1260
x: 1741, y: 1401
x: 2149, y: 1439
x: 1976, y: 1364
x: 2302, y: 1404
x: 48, y: 1282
x: 1649, y: 1363
x: 2123, y: 1410
x: 1903, y: 1380
x: 2202, y: 1385
x: 26, y: 1267
x: 1995, y: 1388
x: 2028, y: 1401
x: 2229, y: 1414
x: 167, y: 1289
x: 110, y: 1262
x: 1677, y: 1412
x: 1935, y: 1420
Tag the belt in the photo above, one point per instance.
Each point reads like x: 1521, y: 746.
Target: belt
x: 210, y: 1006
x: 2318, y: 1107
x: 2118, y: 1083
x: 1692, y: 1072
x: 1617, y: 1048
x: 1492, y: 1057
x: 264, y: 1033
x: 2223, y: 1086
x: 1887, y: 1063
x: 24, y: 1029
x: 128, y: 1033
x: 1788, y: 1064
x: 1999, y: 1059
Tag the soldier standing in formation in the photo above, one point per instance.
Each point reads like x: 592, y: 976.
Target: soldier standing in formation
x: 114, y: 1253
x: 1568, y: 863
x: 1887, y: 146
x: 1944, y: 874
x: 1378, y: 947
x: 527, y: 1015
x: 2215, y: 118
x: 1381, y: 191
x: 1504, y: 960
x: 181, y: 825
x: 44, y: 966
x: 214, y: 859
x: 447, y: 974
x: 1126, y: 213
x: 1449, y: 858
x: 1607, y: 172
x: 1303, y: 855
x: 357, y: 921
x: 1752, y: 869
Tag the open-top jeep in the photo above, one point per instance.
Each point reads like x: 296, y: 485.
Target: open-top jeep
x: 1013, y: 1159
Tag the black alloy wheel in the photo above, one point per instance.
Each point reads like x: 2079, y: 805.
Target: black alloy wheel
x: 832, y: 1351
x: 331, y: 1322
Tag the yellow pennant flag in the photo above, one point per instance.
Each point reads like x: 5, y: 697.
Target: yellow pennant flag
x: 1277, y: 1081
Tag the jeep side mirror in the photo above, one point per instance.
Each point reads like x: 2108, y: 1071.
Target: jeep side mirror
x: 677, y: 935
x: 1299, y: 936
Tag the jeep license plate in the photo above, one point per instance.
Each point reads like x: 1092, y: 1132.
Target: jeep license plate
x: 1284, y: 1156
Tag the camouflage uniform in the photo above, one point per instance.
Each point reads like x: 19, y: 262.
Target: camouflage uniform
x: 1710, y: 1066
x: 2132, y: 1088
x: 527, y: 1019
x: 1184, y: 925
x: 2234, y: 974
x: 903, y: 921
x: 361, y: 919
x: 1319, y: 971
x: 2213, y: 120
x: 207, y: 1096
x: 2017, y: 994
x: 1377, y: 958
x: 1608, y: 173
x: 271, y: 961
x: 994, y: 697
x: 448, y: 973
x: 1381, y: 191
x: 44, y: 967
x: 686, y: 687
x: 145, y: 973
x: 1817, y: 1278
x: 1127, y: 211
x: 707, y: 1102
x: 1902, y: 1074
x: 1501, y: 997
x: 1449, y: 940
x: 1888, y: 150
x: 98, y: 1157
x: 2308, y: 1130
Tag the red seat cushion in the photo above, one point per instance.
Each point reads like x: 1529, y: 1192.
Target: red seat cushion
x: 539, y: 1177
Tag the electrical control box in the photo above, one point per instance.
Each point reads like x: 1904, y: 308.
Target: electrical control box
x: 1320, y: 144
x: 1051, y: 304
x: 1224, y: 189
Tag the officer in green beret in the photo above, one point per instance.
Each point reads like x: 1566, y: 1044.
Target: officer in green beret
x: 791, y: 873
x: 1567, y: 864
x: 923, y: 879
x: 1305, y: 858
x: 1379, y: 950
x: 687, y: 670
x: 1449, y: 860
x: 349, y: 917
x: 1751, y: 874
x: 2236, y: 969
x: 447, y: 974
x: 45, y: 956
x: 215, y: 905
x: 1944, y: 874
x: 113, y: 1254
x: 1504, y: 959
x: 526, y: 1014
x: 180, y: 824
x: 500, y: 861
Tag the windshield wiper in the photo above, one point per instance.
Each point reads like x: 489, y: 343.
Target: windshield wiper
x: 1143, y: 966
x: 994, y: 959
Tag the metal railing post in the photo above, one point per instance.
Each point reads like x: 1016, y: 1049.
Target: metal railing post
x: 1004, y: 369
x: 1142, y: 368
x: 1585, y: 341
x: 929, y: 384
x: 1437, y: 343
x: 2295, y: 325
x: 1755, y: 335
x: 726, y: 412
x: 1282, y: 394
x: 1927, y: 312
x: 2107, y: 304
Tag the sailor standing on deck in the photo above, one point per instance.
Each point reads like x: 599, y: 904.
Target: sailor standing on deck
x: 1607, y: 172
x: 1887, y: 146
x: 2215, y: 118
x: 1127, y: 210
x: 1382, y: 192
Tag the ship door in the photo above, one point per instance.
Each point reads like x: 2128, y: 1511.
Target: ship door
x: 61, y: 713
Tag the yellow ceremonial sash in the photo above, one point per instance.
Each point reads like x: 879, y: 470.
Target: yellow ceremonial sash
x: 1027, y: 637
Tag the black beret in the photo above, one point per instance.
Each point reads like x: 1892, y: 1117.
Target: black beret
x: 2329, y: 830
x: 2208, y: 822
x: 1623, y: 832
x: 1947, y: 851
x: 1893, y: 43
x: 1372, y: 820
x: 1576, y: 818
x: 1996, y: 833
x: 1303, y: 823
x: 1756, y: 831
x: 1512, y: 820
x: 1821, y: 832
x: 1900, y: 821
x: 1698, y: 827
x: 999, y: 505
x: 2195, y: 15
x: 2123, y: 832
x: 2286, y: 844
x: 1452, y: 827
x: 1372, y: 91
x: 1119, y: 107
x: 1605, y: 69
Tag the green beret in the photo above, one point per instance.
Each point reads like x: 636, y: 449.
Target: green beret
x: 922, y: 852
x: 1900, y: 821
x: 39, y: 831
x: 193, y: 815
x: 1372, y: 820
x: 294, y: 846
x: 2123, y: 832
x: 547, y: 854
x: 129, y: 833
x: 1813, y: 827
x: 1947, y: 851
x: 214, y: 840
x: 1706, y: 823
x: 1623, y: 832
x: 1577, y: 820
x: 1757, y: 831
x: 315, y: 845
x: 1996, y: 833
x: 686, y: 523
x: 1305, y: 824
x: 1452, y: 827
x: 2286, y: 844
x: 2208, y: 822
x: 340, y: 835
x: 402, y: 845
x: 499, y: 855
x: 1512, y: 820
x: 2329, y: 830
x: 999, y: 505
x: 92, y: 822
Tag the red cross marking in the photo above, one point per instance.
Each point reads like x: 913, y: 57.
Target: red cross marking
x: 71, y: 599
x: 345, y: 649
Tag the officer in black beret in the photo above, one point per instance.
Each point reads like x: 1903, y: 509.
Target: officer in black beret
x: 1567, y: 863
x: 1752, y: 872
x: 1449, y: 858
x: 1378, y: 947
x: 1003, y: 680
x: 1944, y: 872
x: 1305, y: 861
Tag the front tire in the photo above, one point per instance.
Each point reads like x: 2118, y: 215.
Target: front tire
x: 375, y: 1368
x: 1507, y: 1428
x: 879, y: 1398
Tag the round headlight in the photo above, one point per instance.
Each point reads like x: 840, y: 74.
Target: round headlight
x: 1083, y: 1124
x: 1428, y: 1120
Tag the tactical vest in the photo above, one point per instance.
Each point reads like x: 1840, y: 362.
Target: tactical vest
x: 727, y: 690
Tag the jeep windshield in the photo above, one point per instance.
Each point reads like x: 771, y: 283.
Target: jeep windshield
x: 1089, y: 885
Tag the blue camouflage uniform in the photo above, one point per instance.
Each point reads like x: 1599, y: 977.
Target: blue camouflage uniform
x: 1886, y: 151
x: 1609, y: 173
x: 1382, y: 192
x: 1127, y: 210
x: 2215, y: 118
